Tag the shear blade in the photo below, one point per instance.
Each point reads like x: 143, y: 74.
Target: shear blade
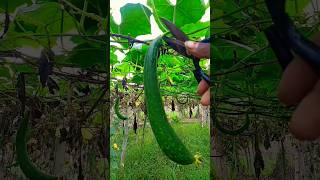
x: 176, y: 45
x: 175, y: 31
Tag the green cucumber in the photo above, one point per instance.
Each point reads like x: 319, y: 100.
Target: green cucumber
x: 27, y: 167
x: 117, y: 110
x: 236, y: 132
x: 167, y: 139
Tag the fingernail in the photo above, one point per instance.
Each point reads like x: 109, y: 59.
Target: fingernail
x: 190, y: 44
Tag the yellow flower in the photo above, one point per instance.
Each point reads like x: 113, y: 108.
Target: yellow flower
x: 197, y: 159
x: 115, y: 146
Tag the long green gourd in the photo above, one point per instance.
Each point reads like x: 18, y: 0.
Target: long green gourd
x: 28, y: 168
x: 117, y: 110
x: 167, y: 139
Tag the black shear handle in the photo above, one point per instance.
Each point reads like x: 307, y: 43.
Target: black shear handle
x: 198, y: 73
x: 299, y: 44
x: 279, y: 46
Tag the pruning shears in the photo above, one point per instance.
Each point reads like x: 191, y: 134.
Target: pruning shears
x: 177, y: 43
x: 284, y: 38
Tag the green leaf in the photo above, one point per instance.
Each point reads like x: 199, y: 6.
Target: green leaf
x: 135, y: 20
x: 138, y: 79
x: 134, y: 56
x: 294, y: 7
x: 97, y: 119
x: 226, y: 5
x: 170, y: 60
x: 195, y: 27
x: 87, y: 55
x: 124, y: 68
x: 37, y: 21
x: 15, y: 39
x: 23, y: 68
x: 113, y: 57
x: 219, y: 26
x: 47, y: 16
x: 185, y: 11
x: 14, y: 4
x: 4, y: 72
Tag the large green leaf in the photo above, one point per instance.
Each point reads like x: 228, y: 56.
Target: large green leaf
x: 87, y: 55
x: 43, y: 19
x: 24, y: 68
x: 135, y: 20
x: 171, y: 61
x: 47, y: 16
x: 294, y: 7
x: 184, y: 12
x: 4, y: 72
x: 226, y: 5
x: 94, y: 7
x: 197, y: 30
x: 113, y: 57
x: 13, y: 4
x: 138, y: 78
x: 134, y: 56
x: 123, y: 69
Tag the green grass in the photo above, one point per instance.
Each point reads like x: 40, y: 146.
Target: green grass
x: 146, y: 161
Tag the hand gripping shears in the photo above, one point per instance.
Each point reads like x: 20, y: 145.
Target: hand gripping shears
x: 177, y: 43
x: 284, y: 38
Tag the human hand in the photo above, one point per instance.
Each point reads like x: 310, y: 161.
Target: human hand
x: 300, y: 85
x: 200, y: 50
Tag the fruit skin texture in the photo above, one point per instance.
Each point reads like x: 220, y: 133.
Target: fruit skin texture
x: 305, y: 122
x: 167, y: 139
x: 28, y: 168
x: 117, y: 110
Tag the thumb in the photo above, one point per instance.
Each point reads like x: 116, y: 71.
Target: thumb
x: 199, y: 50
x: 190, y: 45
